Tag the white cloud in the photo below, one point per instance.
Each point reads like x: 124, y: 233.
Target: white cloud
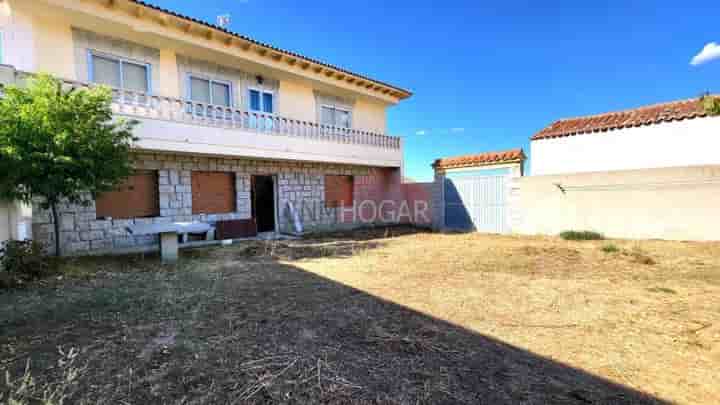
x: 710, y: 52
x: 421, y: 132
x: 457, y: 129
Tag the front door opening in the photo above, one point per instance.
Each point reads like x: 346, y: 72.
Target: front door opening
x: 263, y: 198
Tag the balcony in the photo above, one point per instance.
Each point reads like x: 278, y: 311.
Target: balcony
x: 182, y: 126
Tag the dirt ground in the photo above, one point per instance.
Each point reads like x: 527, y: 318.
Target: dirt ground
x: 387, y: 316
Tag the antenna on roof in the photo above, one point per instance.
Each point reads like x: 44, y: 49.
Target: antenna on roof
x: 223, y: 21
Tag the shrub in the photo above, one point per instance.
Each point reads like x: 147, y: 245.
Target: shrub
x: 22, y: 262
x: 581, y: 235
x: 610, y: 248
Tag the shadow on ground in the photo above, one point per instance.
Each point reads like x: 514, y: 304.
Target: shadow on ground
x: 227, y: 328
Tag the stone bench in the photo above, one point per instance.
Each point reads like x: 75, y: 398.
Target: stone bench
x: 169, y: 235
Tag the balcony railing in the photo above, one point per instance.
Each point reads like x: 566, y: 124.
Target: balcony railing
x: 143, y: 105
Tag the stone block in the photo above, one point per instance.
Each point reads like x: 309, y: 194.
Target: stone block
x: 67, y: 222
x: 174, y: 177
x: 91, y: 235
x: 76, y: 247
x: 104, y: 244
x: 100, y: 225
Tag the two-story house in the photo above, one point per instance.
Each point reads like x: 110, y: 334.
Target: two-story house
x: 230, y: 128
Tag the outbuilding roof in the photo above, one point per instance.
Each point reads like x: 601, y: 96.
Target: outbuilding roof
x: 480, y: 159
x: 636, y: 117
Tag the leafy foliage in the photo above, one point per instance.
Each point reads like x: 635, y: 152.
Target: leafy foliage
x: 581, y: 235
x: 610, y: 248
x: 60, y: 144
x: 711, y: 104
x: 22, y: 262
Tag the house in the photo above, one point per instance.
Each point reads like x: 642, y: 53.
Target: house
x: 648, y: 172
x: 232, y: 130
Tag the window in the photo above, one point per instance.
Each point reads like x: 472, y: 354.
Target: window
x: 119, y: 73
x: 338, y: 191
x: 213, y: 192
x: 210, y: 91
x: 331, y: 115
x: 137, y: 197
x: 261, y: 101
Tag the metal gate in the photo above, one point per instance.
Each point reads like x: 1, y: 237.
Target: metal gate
x: 477, y: 201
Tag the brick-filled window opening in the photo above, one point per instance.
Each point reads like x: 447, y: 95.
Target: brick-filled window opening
x: 213, y: 192
x: 338, y: 191
x: 136, y: 197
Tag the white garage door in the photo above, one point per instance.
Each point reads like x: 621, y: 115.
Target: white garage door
x: 477, y: 200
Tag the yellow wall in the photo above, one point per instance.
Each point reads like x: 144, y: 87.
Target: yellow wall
x: 54, y: 46
x: 52, y: 39
x: 169, y: 74
x: 296, y: 100
x: 370, y: 115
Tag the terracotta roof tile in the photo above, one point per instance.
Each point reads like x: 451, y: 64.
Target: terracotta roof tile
x: 481, y: 159
x: 404, y: 92
x: 647, y: 115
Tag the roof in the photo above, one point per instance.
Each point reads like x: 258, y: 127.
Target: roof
x: 480, y: 159
x: 647, y: 115
x: 404, y: 92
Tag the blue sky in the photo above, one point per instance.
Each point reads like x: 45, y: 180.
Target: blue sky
x: 488, y: 74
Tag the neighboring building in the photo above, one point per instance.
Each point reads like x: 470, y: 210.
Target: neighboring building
x: 650, y: 172
x: 673, y: 134
x: 230, y: 128
x: 476, y: 192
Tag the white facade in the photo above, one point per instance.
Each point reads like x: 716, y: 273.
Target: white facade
x: 690, y: 142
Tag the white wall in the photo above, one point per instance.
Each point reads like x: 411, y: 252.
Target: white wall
x: 672, y: 144
x: 160, y: 135
x: 678, y: 203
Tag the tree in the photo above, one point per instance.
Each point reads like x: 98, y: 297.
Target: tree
x: 711, y: 104
x: 59, y: 144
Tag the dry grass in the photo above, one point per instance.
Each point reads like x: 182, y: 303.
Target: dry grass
x: 383, y: 317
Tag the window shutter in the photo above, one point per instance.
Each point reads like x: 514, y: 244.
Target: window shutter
x: 135, y: 77
x: 106, y: 71
x: 137, y: 197
x: 213, y: 192
x: 199, y: 90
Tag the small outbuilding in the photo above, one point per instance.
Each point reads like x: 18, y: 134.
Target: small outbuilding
x: 475, y: 192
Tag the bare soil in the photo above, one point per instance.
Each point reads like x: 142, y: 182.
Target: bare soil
x: 390, y: 316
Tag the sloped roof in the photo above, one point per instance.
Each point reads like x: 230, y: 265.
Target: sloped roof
x: 647, y: 115
x: 480, y: 159
x: 404, y: 93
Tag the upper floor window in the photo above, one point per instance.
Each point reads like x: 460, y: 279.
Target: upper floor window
x: 210, y: 91
x: 120, y: 73
x: 335, y: 116
x: 261, y: 101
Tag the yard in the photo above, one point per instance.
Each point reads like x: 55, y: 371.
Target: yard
x: 387, y: 316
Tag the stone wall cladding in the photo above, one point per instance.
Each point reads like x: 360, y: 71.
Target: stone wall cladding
x: 302, y: 183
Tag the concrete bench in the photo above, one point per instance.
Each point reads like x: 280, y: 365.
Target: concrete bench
x: 169, y: 235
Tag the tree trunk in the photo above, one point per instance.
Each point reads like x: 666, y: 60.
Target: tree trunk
x: 56, y: 224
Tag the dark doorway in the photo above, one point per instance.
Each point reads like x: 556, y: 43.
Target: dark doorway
x: 263, y: 198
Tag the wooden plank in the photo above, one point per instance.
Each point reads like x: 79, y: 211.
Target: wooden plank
x: 213, y: 192
x: 137, y: 197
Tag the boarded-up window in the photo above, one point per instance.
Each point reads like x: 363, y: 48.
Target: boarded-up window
x: 338, y: 191
x: 137, y: 197
x: 213, y: 192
